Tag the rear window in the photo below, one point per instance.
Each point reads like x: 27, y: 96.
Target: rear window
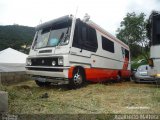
x: 107, y: 45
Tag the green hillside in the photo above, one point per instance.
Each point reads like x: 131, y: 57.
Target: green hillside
x: 15, y: 36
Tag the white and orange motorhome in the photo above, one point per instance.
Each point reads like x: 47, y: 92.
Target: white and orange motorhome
x: 73, y: 51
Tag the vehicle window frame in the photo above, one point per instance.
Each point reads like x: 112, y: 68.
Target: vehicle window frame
x: 107, y: 44
x: 66, y: 25
x: 82, y: 39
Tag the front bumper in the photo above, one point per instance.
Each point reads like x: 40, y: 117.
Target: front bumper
x: 145, y: 77
x: 54, y: 72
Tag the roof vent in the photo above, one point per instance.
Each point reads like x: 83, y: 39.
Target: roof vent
x: 86, y: 18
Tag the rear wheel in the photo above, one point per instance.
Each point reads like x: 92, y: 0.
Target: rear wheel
x: 42, y: 84
x: 78, y: 79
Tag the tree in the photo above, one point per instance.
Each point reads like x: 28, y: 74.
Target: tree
x: 17, y: 37
x: 132, y: 31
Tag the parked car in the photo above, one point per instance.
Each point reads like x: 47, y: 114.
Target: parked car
x: 141, y: 75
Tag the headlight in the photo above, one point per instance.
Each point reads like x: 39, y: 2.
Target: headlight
x: 29, y: 62
x: 157, y: 75
x: 60, y: 61
x: 53, y: 63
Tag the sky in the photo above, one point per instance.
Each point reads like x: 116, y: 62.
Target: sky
x: 106, y: 13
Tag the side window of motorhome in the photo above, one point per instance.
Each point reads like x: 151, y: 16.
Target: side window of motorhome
x: 107, y: 45
x: 85, y: 37
x: 125, y: 53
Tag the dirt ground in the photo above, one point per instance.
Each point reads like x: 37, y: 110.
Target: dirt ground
x: 110, y: 98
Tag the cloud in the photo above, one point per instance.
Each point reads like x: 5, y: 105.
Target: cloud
x: 107, y: 13
x: 145, y: 6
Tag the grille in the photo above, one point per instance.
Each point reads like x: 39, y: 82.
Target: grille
x: 44, y: 61
x: 45, y: 51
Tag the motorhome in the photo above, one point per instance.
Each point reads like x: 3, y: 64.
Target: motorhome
x: 72, y: 51
x: 154, y: 34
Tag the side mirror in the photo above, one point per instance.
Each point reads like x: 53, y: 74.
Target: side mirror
x: 146, y: 67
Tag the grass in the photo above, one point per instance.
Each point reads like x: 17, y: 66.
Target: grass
x: 126, y: 97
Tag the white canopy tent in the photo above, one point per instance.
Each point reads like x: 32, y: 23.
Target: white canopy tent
x: 12, y: 60
x: 10, y: 55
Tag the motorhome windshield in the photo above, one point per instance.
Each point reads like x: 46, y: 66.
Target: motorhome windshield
x: 58, y: 34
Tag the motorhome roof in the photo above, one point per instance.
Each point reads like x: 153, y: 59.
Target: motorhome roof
x: 50, y: 23
x: 91, y: 23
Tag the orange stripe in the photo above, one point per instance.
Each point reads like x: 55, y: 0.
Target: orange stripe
x: 70, y: 72
x: 125, y: 65
x: 98, y: 74
x: 125, y: 73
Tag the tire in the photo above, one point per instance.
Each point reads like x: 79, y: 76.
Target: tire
x: 78, y: 79
x: 42, y: 84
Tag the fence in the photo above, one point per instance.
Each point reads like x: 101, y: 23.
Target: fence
x: 12, y: 77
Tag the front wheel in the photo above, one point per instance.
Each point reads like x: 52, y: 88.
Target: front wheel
x: 78, y: 79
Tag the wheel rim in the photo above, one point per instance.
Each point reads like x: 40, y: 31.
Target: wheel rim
x: 77, y: 79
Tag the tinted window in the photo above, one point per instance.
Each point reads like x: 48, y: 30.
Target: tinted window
x: 158, y: 27
x: 90, y: 43
x: 85, y: 37
x: 156, y: 30
x: 76, y: 39
x: 123, y: 51
x: 107, y: 44
x: 126, y: 54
